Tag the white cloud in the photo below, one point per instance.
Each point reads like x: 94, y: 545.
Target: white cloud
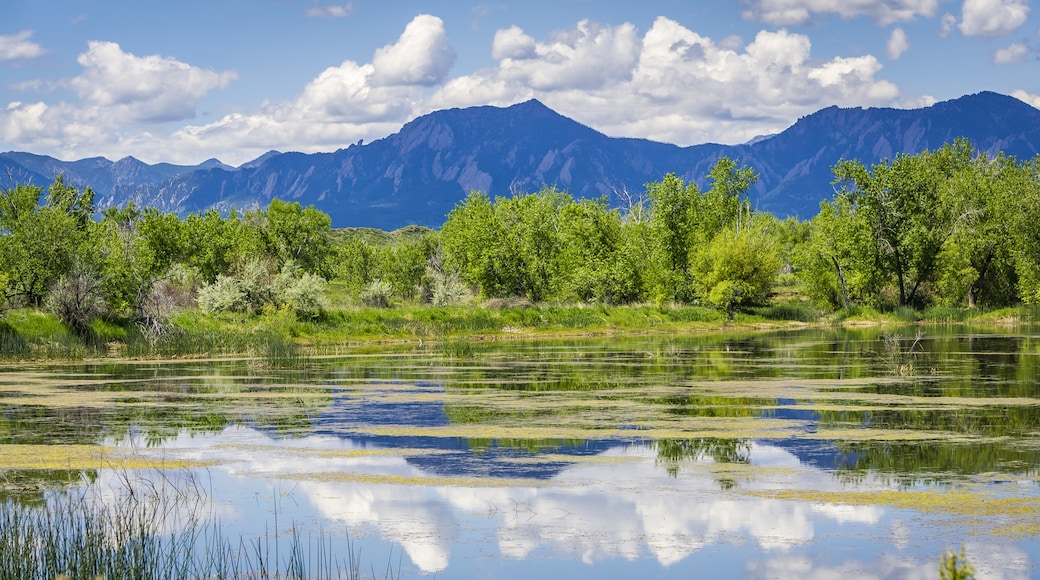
x: 682, y: 87
x: 946, y: 24
x: 18, y: 46
x: 150, y: 88
x: 1029, y: 98
x: 588, y: 56
x: 330, y: 11
x: 512, y: 43
x: 118, y: 93
x: 1012, y: 53
x: 669, y: 84
x: 992, y: 17
x: 898, y: 43
x: 421, y: 56
x: 884, y: 12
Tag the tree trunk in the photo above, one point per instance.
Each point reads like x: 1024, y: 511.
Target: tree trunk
x: 841, y: 278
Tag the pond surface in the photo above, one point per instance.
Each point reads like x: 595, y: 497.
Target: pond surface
x: 812, y: 453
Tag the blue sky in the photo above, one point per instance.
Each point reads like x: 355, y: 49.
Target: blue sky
x: 186, y: 81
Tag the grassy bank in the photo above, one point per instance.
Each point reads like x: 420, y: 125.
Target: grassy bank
x: 280, y: 336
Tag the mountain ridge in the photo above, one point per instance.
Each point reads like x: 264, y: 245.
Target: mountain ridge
x: 419, y: 173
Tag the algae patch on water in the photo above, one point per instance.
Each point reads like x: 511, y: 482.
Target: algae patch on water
x: 80, y: 457
x: 981, y: 512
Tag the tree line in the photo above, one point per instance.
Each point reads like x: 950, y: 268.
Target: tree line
x: 950, y: 226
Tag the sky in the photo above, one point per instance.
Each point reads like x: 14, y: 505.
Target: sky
x: 186, y: 81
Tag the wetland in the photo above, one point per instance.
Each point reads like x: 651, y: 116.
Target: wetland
x: 811, y: 452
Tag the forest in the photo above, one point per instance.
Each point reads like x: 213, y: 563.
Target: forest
x: 950, y: 227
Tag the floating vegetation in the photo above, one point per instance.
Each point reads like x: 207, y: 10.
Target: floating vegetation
x: 82, y: 457
x: 754, y: 414
x: 983, y: 512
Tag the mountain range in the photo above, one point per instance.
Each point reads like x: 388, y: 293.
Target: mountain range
x: 417, y: 175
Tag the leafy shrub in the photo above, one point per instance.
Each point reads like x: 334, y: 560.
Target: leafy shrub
x: 76, y: 298
x: 377, y: 294
x: 304, y: 295
x: 449, y: 290
x: 225, y: 294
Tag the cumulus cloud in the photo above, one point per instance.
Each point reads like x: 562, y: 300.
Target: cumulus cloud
x: 1029, y: 98
x: 884, y: 12
x: 992, y: 17
x: 118, y: 94
x: 668, y: 84
x: 1013, y: 53
x: 330, y: 11
x: 588, y: 56
x: 512, y: 43
x: 150, y: 88
x: 946, y: 24
x: 674, y: 84
x: 342, y: 104
x: 898, y: 43
x: 421, y: 56
x: 18, y: 46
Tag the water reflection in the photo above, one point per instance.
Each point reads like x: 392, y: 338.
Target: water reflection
x: 621, y: 504
x: 637, y: 456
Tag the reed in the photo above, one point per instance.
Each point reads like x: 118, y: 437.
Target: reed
x: 156, y: 530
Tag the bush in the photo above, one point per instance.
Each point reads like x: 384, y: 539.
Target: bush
x: 225, y: 294
x: 304, y: 295
x: 736, y: 269
x: 377, y: 294
x: 76, y: 298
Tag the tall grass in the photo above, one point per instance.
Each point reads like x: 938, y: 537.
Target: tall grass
x: 155, y: 532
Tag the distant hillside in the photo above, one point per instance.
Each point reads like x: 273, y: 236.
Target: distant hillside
x: 418, y: 174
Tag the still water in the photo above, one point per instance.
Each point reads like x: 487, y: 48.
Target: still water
x: 802, y: 454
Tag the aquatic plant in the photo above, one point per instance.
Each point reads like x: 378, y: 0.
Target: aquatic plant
x: 954, y: 566
x: 154, y: 529
x: 898, y: 357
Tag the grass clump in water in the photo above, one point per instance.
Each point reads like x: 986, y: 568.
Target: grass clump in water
x: 156, y: 530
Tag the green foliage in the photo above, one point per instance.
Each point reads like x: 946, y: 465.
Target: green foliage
x: 304, y: 293
x: 954, y: 566
x: 356, y: 263
x: 39, y: 243
x: 594, y: 264
x: 674, y: 214
x: 403, y: 266
x: 736, y: 269
x: 299, y: 235
x: 377, y: 294
x: 683, y: 219
x: 76, y: 298
x: 511, y: 247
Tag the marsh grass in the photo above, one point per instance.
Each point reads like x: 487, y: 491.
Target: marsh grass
x: 156, y: 529
x: 900, y: 355
x: 456, y: 349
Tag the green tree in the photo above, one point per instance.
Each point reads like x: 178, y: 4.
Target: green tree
x: 40, y: 242
x: 471, y: 238
x: 591, y: 242
x: 674, y: 213
x: 738, y: 268
x: 684, y: 221
x: 906, y: 206
x: 510, y: 247
x: 298, y: 234
x: 217, y: 244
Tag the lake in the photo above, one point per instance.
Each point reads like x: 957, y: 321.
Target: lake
x: 813, y: 453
